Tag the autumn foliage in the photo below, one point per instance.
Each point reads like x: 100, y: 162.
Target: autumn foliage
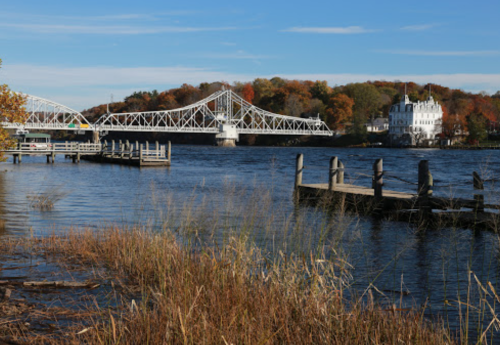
x: 338, y: 106
x: 11, y: 110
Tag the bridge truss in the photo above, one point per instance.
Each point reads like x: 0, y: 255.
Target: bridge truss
x: 223, y: 113
x: 48, y: 115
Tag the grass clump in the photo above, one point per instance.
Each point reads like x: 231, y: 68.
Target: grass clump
x: 231, y: 293
x: 45, y: 201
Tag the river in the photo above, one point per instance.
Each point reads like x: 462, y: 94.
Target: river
x: 431, y: 267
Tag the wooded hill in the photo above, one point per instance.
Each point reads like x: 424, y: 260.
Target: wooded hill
x: 352, y: 104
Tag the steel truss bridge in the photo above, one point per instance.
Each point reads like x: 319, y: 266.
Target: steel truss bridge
x: 223, y: 113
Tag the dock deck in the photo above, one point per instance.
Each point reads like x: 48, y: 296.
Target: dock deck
x: 422, y: 205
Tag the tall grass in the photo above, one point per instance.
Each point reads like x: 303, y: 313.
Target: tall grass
x: 233, y: 293
x: 227, y: 271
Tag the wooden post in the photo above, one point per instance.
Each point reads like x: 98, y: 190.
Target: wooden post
x: 122, y: 148
x: 48, y: 159
x: 425, y: 182
x: 14, y: 159
x: 298, y: 170
x: 20, y: 158
x: 112, y: 148
x: 424, y: 179
x: 136, y: 145
x: 157, y: 148
x: 147, y: 147
x: 332, y: 176
x: 140, y: 154
x: 478, y: 198
x: 169, y: 152
x: 340, y: 175
x: 378, y: 180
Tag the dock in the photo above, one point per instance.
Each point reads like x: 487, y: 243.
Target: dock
x: 421, y: 206
x: 125, y: 153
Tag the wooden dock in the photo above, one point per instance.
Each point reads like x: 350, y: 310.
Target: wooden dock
x: 420, y: 206
x: 137, y: 154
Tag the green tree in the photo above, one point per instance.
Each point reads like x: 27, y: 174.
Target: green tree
x: 321, y: 91
x: 358, y: 128
x: 366, y: 100
x: 476, y: 124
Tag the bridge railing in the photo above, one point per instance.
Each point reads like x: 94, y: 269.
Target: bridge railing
x: 55, y: 147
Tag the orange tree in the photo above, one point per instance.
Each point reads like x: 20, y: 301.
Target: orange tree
x: 11, y: 110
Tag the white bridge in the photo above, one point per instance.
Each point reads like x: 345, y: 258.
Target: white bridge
x: 223, y: 113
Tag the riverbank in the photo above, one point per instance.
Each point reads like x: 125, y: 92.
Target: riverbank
x: 148, y: 288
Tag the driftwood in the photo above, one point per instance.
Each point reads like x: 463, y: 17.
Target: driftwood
x: 61, y: 284
x: 55, y: 284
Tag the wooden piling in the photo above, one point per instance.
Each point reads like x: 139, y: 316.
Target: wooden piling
x: 299, y: 167
x: 169, y: 152
x: 140, y: 154
x: 332, y: 176
x: 340, y: 175
x: 378, y: 180
x: 478, y: 184
x: 425, y: 180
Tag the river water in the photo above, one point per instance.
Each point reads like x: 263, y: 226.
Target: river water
x: 432, y: 267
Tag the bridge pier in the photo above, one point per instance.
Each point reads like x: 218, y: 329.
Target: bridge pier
x: 227, y: 136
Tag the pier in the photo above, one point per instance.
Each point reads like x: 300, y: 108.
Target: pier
x: 125, y: 153
x: 421, y: 205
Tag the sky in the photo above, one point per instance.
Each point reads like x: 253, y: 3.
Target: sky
x: 79, y: 53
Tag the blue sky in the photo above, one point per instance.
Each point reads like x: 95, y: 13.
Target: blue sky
x: 79, y: 53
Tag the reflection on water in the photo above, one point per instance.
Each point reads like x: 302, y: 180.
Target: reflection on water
x: 430, y: 267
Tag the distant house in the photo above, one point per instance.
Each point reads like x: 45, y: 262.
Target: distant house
x: 379, y: 125
x: 415, y: 123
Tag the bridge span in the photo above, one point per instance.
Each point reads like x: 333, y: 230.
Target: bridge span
x: 224, y: 113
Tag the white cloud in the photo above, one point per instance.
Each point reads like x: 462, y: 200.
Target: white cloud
x: 421, y: 27
x: 108, y: 30
x: 330, y: 30
x: 83, y: 87
x: 466, y: 81
x: 442, y: 52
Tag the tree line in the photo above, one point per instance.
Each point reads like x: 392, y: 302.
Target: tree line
x: 348, y: 106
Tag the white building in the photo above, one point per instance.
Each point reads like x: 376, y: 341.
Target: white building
x: 415, y: 123
x: 380, y: 124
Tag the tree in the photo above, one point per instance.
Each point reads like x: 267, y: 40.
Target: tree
x: 262, y: 88
x: 316, y: 107
x: 248, y: 93
x: 321, y: 91
x: 358, y: 128
x: 476, y: 124
x: 339, y: 110
x: 293, y: 106
x: 366, y: 100
x: 11, y: 110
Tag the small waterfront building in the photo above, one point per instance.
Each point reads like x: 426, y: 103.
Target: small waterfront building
x: 413, y: 123
x: 380, y: 124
